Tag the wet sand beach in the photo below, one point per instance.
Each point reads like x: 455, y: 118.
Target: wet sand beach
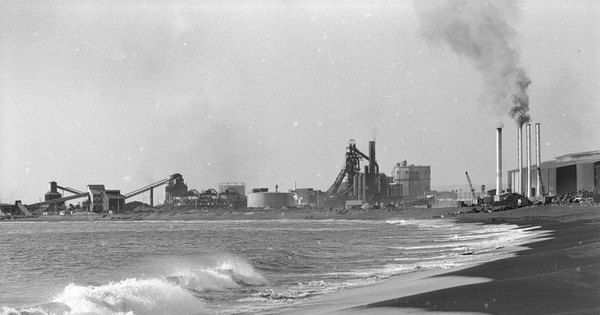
x: 556, y: 273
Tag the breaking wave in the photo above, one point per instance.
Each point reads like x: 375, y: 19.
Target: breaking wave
x: 225, y: 272
x: 131, y: 296
x: 175, y: 292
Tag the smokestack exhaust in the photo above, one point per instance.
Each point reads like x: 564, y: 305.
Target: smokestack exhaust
x: 499, y: 127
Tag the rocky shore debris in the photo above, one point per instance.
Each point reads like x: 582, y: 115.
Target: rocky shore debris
x: 582, y: 196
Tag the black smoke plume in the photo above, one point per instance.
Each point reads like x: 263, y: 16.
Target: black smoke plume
x: 481, y: 31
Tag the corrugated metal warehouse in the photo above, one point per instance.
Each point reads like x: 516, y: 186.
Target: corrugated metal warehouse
x: 565, y: 174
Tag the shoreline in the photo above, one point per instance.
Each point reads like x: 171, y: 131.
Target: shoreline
x: 360, y: 299
x: 559, y: 275
x: 545, y: 212
x: 555, y: 272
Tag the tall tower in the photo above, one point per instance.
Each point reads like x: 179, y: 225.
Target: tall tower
x: 499, y: 127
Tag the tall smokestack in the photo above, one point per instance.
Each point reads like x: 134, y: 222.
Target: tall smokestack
x: 372, y: 157
x: 499, y: 127
x: 372, y: 179
x: 528, y: 156
x: 538, y: 160
x: 519, y: 184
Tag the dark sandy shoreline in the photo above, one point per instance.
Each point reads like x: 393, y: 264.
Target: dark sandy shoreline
x: 556, y: 274
x: 560, y: 275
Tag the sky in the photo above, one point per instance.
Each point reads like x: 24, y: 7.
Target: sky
x: 124, y: 93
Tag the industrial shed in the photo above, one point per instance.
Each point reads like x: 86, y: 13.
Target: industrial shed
x: 565, y: 174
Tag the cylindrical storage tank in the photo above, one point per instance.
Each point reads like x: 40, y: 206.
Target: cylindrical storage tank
x: 269, y: 199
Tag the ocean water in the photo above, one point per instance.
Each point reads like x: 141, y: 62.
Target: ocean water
x: 221, y: 267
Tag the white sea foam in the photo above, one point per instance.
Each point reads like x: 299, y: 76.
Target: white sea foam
x: 131, y: 297
x: 400, y: 222
x: 223, y: 273
x: 162, y: 293
x: 49, y: 308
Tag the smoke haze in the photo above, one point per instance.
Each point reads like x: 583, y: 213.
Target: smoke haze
x: 481, y: 31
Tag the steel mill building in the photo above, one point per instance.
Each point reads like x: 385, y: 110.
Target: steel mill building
x: 567, y: 173
x: 412, y: 180
x: 356, y: 185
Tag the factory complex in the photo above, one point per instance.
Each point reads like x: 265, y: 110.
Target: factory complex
x: 353, y: 187
x: 359, y: 184
x: 566, y: 174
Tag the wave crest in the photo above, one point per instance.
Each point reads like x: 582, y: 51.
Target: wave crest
x: 223, y: 273
x: 131, y: 296
x: 168, y: 287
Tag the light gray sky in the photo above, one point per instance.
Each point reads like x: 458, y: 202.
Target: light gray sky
x: 124, y: 93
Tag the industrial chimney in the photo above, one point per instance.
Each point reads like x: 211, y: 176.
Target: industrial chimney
x: 538, y: 161
x: 519, y: 183
x: 372, y: 157
x: 499, y: 127
x: 373, y: 171
x: 528, y: 157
